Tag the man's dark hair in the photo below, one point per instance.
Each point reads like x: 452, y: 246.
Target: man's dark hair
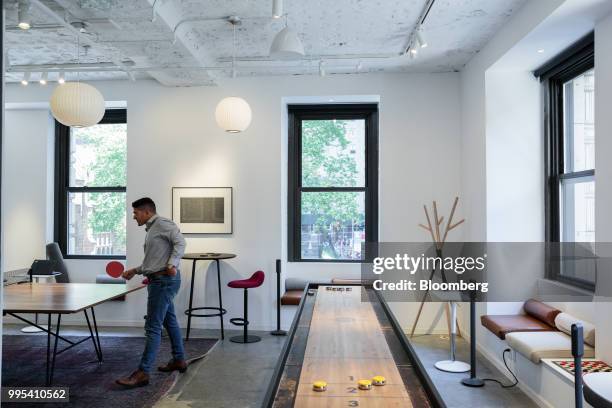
x: 145, y: 202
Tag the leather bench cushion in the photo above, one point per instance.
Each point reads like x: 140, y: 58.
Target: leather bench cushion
x: 541, y: 311
x: 500, y: 325
x: 292, y: 297
x: 538, y: 345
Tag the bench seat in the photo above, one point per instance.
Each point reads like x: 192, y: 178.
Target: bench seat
x: 538, y: 345
x: 501, y: 325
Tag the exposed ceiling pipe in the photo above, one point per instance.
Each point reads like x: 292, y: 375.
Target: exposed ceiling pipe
x: 170, y: 12
x: 316, y: 57
x: 85, y: 39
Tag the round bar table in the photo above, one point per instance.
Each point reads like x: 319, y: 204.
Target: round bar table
x: 219, y: 311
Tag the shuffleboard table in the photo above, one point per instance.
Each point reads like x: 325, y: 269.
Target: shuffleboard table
x: 342, y: 334
x: 60, y: 299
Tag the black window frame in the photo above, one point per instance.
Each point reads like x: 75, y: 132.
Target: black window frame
x: 297, y: 113
x: 574, y: 61
x: 62, y: 183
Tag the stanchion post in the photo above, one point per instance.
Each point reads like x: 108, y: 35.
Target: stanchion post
x: 278, y: 331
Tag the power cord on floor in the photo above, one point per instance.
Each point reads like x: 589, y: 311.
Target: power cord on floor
x: 507, y: 368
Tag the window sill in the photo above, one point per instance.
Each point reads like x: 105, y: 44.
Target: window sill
x: 555, y: 290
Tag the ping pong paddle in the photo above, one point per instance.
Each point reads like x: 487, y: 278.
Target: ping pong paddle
x: 114, y: 269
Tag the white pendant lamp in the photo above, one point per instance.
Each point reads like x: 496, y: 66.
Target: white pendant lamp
x: 287, y: 45
x: 233, y: 114
x: 77, y: 104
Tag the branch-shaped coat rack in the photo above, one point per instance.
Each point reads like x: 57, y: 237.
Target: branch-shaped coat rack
x: 438, y: 237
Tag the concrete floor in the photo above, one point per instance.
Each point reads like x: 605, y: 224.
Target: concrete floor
x: 237, y: 375
x: 433, y: 348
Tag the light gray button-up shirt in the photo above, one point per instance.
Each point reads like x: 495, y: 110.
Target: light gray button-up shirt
x: 164, y: 246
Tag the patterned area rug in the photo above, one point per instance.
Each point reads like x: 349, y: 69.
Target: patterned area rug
x: 91, y: 384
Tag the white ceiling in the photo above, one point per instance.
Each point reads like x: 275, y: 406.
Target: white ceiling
x: 188, y: 43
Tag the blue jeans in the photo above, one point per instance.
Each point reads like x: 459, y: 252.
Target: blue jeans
x: 160, y: 311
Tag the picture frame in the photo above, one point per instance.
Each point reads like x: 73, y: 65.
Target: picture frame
x: 203, y: 210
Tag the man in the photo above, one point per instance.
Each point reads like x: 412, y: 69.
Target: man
x: 163, y: 249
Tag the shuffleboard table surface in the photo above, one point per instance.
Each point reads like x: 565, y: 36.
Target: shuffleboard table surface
x: 345, y: 344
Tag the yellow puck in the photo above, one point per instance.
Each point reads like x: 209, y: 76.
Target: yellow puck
x: 319, y: 386
x: 379, y: 380
x: 364, y: 384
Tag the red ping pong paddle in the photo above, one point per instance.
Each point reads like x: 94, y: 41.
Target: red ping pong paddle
x: 114, y: 269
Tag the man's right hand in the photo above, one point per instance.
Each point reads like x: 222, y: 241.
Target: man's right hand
x: 129, y: 274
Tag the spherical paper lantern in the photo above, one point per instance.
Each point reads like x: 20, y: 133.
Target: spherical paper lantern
x: 77, y: 104
x: 233, y: 114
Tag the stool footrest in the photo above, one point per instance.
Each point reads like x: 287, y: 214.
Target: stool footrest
x: 239, y: 321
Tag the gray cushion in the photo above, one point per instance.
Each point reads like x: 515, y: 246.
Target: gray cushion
x: 109, y: 279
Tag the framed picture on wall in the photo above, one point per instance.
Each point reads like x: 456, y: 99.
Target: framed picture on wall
x: 202, y: 210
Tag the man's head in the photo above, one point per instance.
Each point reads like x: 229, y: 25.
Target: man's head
x: 144, y: 209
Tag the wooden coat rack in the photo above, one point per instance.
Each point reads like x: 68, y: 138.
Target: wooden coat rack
x: 438, y: 239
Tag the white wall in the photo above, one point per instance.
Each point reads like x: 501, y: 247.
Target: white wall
x: 603, y: 143
x: 27, y: 196
x: 174, y: 141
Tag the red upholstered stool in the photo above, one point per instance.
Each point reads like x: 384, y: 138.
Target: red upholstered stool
x: 254, y: 281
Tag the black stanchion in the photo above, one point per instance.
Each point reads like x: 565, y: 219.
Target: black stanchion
x: 577, y: 352
x: 473, y: 381
x: 278, y: 331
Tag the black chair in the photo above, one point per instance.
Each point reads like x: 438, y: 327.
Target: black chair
x: 55, y: 254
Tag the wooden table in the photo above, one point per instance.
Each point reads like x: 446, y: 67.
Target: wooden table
x: 60, y: 299
x: 220, y: 311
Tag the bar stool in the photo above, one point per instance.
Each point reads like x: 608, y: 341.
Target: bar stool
x: 254, y: 281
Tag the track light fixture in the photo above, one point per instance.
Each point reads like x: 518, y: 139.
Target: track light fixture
x: 419, y: 37
x: 321, y: 68
x: 23, y: 15
x: 26, y: 78
x: 61, y: 78
x: 277, y: 8
x: 43, y: 78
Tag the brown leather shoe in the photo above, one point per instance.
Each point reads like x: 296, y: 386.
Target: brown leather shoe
x: 137, y: 379
x: 180, y: 365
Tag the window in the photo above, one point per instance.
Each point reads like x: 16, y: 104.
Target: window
x: 333, y: 182
x: 570, y: 212
x: 90, y: 194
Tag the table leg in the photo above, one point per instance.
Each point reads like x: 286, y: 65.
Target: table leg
x: 93, y: 315
x: 193, y: 270
x: 48, y: 347
x: 59, y: 320
x: 91, y: 334
x: 220, y: 299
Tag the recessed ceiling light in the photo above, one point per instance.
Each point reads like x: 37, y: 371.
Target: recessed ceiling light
x: 540, y: 51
